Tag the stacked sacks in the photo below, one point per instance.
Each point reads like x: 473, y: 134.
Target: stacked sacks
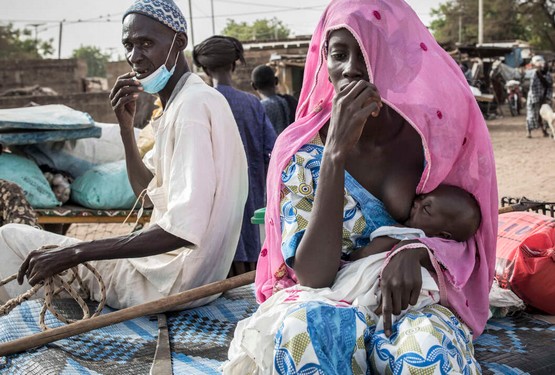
x: 25, y: 173
x: 98, y: 166
x: 105, y: 186
x: 78, y: 156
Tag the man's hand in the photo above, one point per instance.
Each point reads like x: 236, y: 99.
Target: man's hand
x: 45, y: 262
x: 401, y: 283
x: 123, y: 98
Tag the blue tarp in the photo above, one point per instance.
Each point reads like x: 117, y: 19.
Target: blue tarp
x: 48, y: 123
x: 54, y: 117
x: 514, y: 59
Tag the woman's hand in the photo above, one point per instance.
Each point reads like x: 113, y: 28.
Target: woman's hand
x: 123, y: 98
x: 352, y: 107
x: 401, y: 282
x: 45, y: 262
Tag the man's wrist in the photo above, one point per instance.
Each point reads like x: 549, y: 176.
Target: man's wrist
x: 127, y: 131
x: 77, y: 255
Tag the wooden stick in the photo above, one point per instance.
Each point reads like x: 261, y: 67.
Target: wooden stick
x: 162, y: 364
x: 149, y: 308
x: 521, y: 206
x: 507, y: 209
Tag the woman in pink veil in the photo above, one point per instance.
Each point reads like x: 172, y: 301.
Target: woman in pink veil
x: 384, y: 114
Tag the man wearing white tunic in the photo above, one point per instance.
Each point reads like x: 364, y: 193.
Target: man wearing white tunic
x: 195, y: 178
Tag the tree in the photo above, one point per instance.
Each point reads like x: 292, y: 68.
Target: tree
x: 538, y: 16
x: 96, y: 60
x: 501, y: 18
x: 19, y: 44
x: 262, y: 29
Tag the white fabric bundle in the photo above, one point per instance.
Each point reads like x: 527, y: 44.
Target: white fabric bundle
x: 356, y: 284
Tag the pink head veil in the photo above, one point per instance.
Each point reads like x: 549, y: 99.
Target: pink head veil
x: 424, y: 84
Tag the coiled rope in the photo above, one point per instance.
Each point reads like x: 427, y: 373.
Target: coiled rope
x: 55, y: 284
x: 52, y: 287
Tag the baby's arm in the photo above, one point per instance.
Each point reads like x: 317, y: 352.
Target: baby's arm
x: 376, y: 246
x: 385, y: 238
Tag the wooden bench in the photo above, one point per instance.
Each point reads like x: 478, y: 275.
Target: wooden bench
x: 73, y: 214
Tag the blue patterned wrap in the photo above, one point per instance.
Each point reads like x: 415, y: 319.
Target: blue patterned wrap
x: 362, y: 212
x: 163, y: 11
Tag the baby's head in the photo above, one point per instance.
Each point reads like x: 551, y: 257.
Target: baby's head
x: 448, y: 212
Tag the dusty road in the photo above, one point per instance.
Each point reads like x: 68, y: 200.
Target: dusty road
x: 525, y: 166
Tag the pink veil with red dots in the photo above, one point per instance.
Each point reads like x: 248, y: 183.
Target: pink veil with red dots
x: 424, y: 84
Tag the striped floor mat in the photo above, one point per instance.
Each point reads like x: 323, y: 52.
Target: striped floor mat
x: 199, y: 339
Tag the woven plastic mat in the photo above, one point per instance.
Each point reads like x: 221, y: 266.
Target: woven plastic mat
x: 200, y: 337
x: 517, y: 345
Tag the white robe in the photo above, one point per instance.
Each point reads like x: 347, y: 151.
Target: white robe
x: 199, y: 191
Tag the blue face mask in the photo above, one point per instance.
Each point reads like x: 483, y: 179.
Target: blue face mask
x: 156, y: 81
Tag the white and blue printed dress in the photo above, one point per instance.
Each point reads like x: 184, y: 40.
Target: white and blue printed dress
x: 318, y: 338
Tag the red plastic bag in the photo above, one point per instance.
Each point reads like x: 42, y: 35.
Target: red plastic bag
x: 526, y: 258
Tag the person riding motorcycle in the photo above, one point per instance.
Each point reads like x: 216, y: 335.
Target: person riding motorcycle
x: 514, y: 96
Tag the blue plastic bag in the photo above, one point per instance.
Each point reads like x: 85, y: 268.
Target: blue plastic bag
x: 105, y: 187
x: 25, y: 173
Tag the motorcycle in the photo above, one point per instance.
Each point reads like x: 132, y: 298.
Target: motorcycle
x: 514, y: 96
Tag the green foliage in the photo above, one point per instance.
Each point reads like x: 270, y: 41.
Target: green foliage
x: 502, y: 21
x: 445, y: 23
x: 262, y: 29
x: 538, y: 16
x: 96, y: 60
x: 20, y: 44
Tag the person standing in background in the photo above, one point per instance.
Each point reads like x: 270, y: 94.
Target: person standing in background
x: 217, y: 56
x: 279, y: 108
x: 541, y: 92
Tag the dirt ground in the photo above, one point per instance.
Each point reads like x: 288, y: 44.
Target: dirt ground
x: 525, y: 166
